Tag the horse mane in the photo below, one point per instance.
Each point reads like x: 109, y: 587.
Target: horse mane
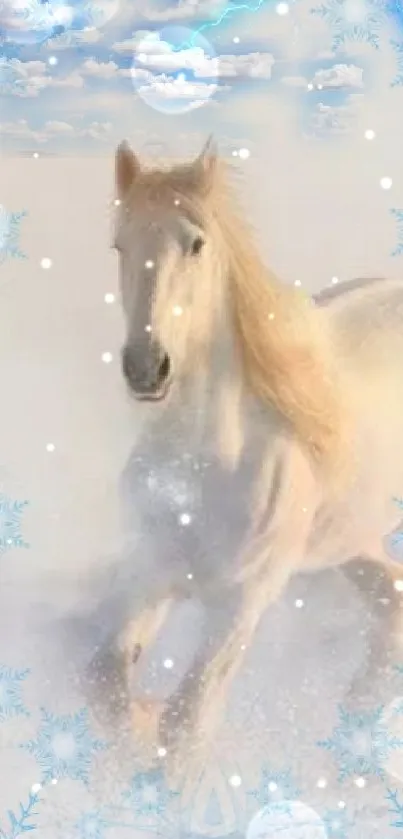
x: 282, y: 339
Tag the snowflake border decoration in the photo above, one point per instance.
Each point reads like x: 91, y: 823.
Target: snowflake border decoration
x: 10, y: 524
x: 337, y: 823
x: 275, y: 789
x: 398, y: 48
x: 71, y: 735
x: 366, y: 31
x: 365, y: 760
x: 11, y: 704
x: 18, y: 824
x: 10, y: 234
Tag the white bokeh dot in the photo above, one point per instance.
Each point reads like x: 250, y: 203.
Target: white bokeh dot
x: 370, y: 134
x: 271, y: 316
x: 235, y: 780
x: 161, y: 752
x: 310, y: 86
x: 168, y: 663
x: 35, y: 788
x: 335, y: 280
x: 54, y: 781
x: 149, y: 264
x: 297, y: 283
x: 244, y: 154
x: 236, y: 40
x: 282, y: 8
x: 107, y: 357
x: 109, y: 297
x: 46, y: 263
x: 386, y: 182
x: 35, y: 155
x: 272, y: 786
x: 322, y: 783
x: 299, y: 604
x: 117, y: 202
x: 360, y: 783
x: 177, y: 311
x: 52, y: 60
x: 189, y: 576
x: 398, y: 585
x: 50, y: 447
x: 177, y: 202
x: 185, y: 519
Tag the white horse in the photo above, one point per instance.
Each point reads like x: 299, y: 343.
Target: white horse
x: 323, y: 379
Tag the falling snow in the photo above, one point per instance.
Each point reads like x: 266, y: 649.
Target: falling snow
x: 64, y: 747
x: 11, y: 704
x: 361, y: 743
x: 353, y: 20
x: 276, y: 788
x: 10, y: 524
x: 10, y: 234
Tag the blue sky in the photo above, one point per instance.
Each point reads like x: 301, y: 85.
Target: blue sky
x: 125, y: 69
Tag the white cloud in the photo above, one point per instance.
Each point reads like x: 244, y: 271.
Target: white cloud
x: 101, y: 70
x: 164, y: 87
x: 55, y: 127
x: 341, y: 75
x: 26, y: 79
x: 295, y: 81
x: 21, y: 130
x: 327, y: 119
x: 184, y: 10
x: 74, y: 38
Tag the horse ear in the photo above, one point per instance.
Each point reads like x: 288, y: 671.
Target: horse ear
x: 127, y: 168
x: 206, y: 162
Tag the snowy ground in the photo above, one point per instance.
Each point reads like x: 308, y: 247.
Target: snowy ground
x: 297, y: 730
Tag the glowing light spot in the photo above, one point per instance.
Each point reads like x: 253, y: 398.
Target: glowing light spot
x: 322, y: 783
x: 386, y: 183
x: 235, y: 781
x: 369, y: 134
x: 117, y: 202
x: 297, y: 283
x: 236, y: 40
x: 161, y: 752
x: 189, y: 576
x: 107, y: 357
x: 360, y: 783
x: 52, y: 60
x: 341, y: 805
x: 177, y: 311
x: 50, y: 447
x: 272, y: 786
x: 35, y: 155
x: 46, y: 263
x: 149, y: 264
x: 398, y: 585
x: 235, y: 153
x: 148, y: 328
x: 177, y: 202
x: 244, y: 154
x: 282, y: 8
x: 35, y: 788
x: 299, y: 604
x: 335, y: 280
x: 168, y: 663
x: 310, y: 86
x: 185, y: 519
x: 109, y: 298
x: 319, y: 87
x: 54, y: 781
x: 271, y: 316
x: 243, y: 647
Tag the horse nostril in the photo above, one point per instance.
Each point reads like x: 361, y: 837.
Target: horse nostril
x: 164, y: 368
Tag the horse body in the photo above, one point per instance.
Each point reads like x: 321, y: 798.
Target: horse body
x: 318, y: 385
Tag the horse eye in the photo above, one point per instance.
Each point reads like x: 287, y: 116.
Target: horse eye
x: 197, y: 245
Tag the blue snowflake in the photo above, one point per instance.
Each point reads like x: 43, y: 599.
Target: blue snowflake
x: 275, y: 789
x: 64, y: 747
x: 353, y: 20
x: 10, y: 234
x: 361, y: 743
x: 11, y: 704
x: 10, y: 524
x: 397, y: 808
x: 148, y: 795
x: 337, y: 823
x: 91, y: 825
x: 398, y: 48
x: 21, y: 823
